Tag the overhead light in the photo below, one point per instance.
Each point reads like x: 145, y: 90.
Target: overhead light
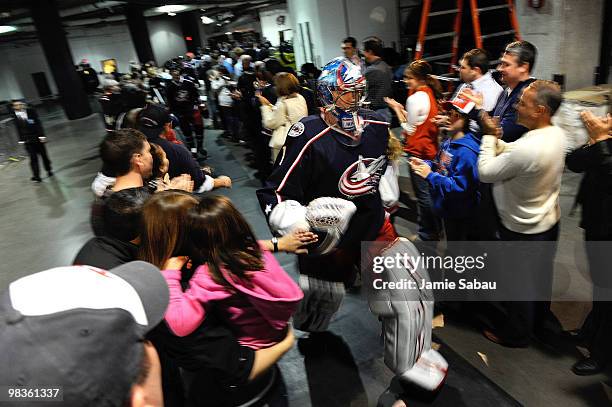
x: 228, y: 33
x: 207, y: 20
x: 171, y: 14
x: 171, y: 8
x: 7, y: 29
x: 226, y: 21
x: 219, y: 24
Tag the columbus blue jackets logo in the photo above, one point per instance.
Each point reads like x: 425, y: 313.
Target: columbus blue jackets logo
x: 362, y: 177
x: 445, y: 161
x: 296, y: 130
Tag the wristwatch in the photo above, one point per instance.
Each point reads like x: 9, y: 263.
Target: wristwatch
x: 275, y: 244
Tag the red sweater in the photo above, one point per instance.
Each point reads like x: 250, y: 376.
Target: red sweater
x: 423, y: 143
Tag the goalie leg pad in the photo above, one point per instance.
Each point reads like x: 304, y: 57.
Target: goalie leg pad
x: 321, y: 301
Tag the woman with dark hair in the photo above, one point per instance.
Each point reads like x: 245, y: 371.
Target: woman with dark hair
x: 238, y: 276
x: 216, y: 369
x: 420, y: 135
x: 232, y: 269
x: 164, y: 222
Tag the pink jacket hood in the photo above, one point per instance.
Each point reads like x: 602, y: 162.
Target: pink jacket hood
x: 271, y: 291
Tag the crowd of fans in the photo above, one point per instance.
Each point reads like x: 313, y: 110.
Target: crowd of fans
x: 485, y: 164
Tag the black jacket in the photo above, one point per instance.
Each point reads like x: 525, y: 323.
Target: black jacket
x: 106, y: 253
x: 595, y: 193
x: 182, y: 96
x: 504, y: 109
x: 31, y: 129
x: 181, y: 161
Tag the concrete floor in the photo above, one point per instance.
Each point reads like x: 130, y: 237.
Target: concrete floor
x: 44, y: 225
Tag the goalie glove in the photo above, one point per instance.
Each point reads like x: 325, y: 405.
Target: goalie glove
x: 288, y: 216
x: 330, y: 218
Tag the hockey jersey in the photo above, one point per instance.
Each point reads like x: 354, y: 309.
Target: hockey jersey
x: 182, y: 96
x: 319, y: 161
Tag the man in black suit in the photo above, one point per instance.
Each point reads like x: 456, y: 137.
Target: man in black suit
x: 31, y: 134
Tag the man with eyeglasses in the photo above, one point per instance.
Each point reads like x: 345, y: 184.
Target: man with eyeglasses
x: 351, y: 52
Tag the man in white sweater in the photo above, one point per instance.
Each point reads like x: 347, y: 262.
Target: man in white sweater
x: 526, y: 175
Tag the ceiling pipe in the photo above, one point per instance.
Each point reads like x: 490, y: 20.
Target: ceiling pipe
x: 88, y: 8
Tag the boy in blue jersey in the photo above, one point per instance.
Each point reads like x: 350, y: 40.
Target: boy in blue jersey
x: 453, y: 177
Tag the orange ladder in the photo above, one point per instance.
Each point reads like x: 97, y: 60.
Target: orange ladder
x: 455, y: 34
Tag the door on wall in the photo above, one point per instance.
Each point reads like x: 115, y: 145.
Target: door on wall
x: 41, y: 83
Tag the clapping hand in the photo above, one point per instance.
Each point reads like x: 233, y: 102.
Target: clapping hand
x: 393, y: 104
x: 442, y: 121
x: 420, y: 167
x: 599, y: 128
x: 490, y: 125
x: 182, y: 182
x: 223, y: 181
x: 263, y: 100
x: 175, y: 263
x: 397, y: 108
x: 472, y: 96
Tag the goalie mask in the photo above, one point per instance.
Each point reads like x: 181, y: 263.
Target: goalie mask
x: 341, y: 91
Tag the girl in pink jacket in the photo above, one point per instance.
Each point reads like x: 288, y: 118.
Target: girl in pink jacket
x: 238, y: 276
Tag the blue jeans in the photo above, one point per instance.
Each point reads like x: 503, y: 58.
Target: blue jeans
x: 429, y: 224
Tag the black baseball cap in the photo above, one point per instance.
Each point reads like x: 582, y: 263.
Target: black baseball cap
x: 151, y: 120
x: 82, y: 329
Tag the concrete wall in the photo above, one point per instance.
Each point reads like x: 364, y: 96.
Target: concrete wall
x: 270, y: 27
x: 92, y: 44
x: 18, y: 67
x: 567, y: 34
x: 302, y: 11
x: 166, y: 38
x: 332, y: 28
x: 103, y: 43
x: 9, y: 88
x: 95, y: 44
x: 332, y: 20
x: 379, y: 18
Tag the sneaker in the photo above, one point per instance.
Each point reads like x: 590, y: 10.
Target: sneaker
x: 50, y: 173
x: 36, y: 179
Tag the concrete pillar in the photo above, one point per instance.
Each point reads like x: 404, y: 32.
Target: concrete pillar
x: 55, y: 46
x: 190, y: 22
x: 605, y: 52
x: 320, y: 26
x: 139, y: 33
